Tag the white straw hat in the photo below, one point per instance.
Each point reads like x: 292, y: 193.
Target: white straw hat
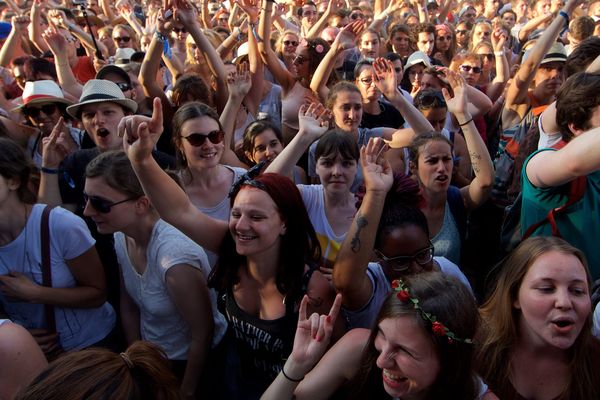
x: 101, y: 91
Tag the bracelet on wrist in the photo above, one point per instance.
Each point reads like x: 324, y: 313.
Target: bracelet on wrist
x: 498, y: 53
x: 564, y: 15
x: 466, y: 123
x: 288, y: 378
x: 50, y: 171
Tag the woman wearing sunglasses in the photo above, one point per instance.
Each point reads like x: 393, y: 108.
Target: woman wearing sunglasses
x: 267, y: 250
x: 286, y: 47
x: 164, y: 295
x: 76, y: 297
x: 389, y: 224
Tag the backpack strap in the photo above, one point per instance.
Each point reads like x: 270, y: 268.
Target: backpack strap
x: 576, y: 191
x: 46, y: 265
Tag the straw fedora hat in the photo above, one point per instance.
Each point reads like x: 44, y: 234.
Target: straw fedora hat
x: 101, y: 91
x: 42, y: 92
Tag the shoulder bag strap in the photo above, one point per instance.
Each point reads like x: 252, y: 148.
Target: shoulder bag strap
x: 46, y: 265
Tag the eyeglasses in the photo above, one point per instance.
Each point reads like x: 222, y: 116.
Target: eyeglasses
x: 402, y: 263
x: 124, y: 86
x: 34, y: 112
x: 125, y: 39
x: 489, y: 56
x: 468, y: 68
x: 290, y: 43
x: 357, y: 16
x: 447, y: 38
x: 299, y: 60
x: 198, y: 139
x: 180, y: 30
x: 104, y: 206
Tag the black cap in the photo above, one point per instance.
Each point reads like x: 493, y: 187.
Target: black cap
x: 113, y: 69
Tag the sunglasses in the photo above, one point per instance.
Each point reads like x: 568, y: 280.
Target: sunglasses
x: 468, y: 68
x: 34, y: 112
x: 430, y: 99
x: 402, y: 263
x: 124, y: 86
x: 104, y: 206
x: 125, y: 39
x: 447, y: 38
x: 357, y: 16
x: 198, y: 139
x: 290, y: 43
x: 489, y: 56
x: 182, y: 30
x: 299, y: 60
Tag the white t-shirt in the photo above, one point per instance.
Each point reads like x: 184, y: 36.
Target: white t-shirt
x: 160, y: 321
x: 69, y: 238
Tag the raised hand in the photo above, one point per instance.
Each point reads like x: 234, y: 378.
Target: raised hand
x: 20, y: 23
x: 457, y: 104
x: 58, y: 18
x: 239, y: 82
x: 313, y: 120
x: 385, y: 77
x: 55, y: 40
x: 140, y: 133
x: 346, y: 39
x: 499, y: 39
x: 251, y: 8
x: 312, y: 338
x: 377, y: 172
x: 185, y: 13
x: 53, y: 150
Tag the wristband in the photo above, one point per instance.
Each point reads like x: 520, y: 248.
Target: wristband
x: 288, y: 378
x: 498, y: 53
x: 50, y: 171
x: 466, y: 123
x: 565, y: 16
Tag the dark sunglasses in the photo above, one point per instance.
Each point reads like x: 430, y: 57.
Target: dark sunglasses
x: 198, y: 139
x: 468, y: 68
x: 124, y: 86
x: 448, y: 38
x: 357, y: 16
x: 290, y: 42
x: 402, y: 263
x: 125, y: 39
x: 34, y: 112
x: 299, y: 60
x: 430, y: 99
x: 489, y: 56
x: 180, y: 30
x: 104, y: 206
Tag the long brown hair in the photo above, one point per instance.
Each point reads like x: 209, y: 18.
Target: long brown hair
x: 500, y: 332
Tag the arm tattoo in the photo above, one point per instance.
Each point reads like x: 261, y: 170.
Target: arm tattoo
x: 361, y: 222
x: 475, y: 159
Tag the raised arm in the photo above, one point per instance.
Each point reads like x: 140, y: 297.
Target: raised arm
x: 284, y: 77
x: 126, y: 10
x: 579, y: 157
x: 186, y: 13
x: 479, y: 190
x: 140, y: 134
x: 316, y: 29
x: 239, y: 84
x: 13, y: 41
x: 445, y: 8
x: 346, y: 39
x: 350, y: 270
x: 532, y: 25
x: 384, y: 15
x: 58, y: 45
x: 313, y: 125
x: 496, y: 87
x: 516, y: 96
x: 35, y: 29
x: 59, y: 18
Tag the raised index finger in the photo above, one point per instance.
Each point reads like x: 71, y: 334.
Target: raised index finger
x: 335, y: 309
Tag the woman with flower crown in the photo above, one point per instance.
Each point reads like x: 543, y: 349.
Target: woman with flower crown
x: 419, y: 348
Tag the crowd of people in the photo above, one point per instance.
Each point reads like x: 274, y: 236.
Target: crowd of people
x: 347, y: 199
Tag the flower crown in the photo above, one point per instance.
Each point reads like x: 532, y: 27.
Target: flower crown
x: 438, y: 329
x: 317, y: 47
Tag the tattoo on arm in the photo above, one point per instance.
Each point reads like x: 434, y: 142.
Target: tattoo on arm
x: 475, y: 160
x: 361, y: 222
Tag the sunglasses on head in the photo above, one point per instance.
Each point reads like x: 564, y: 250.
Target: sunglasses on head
x: 104, y: 206
x: 430, y: 99
x: 357, y: 16
x: 290, y: 43
x: 198, y: 139
x: 125, y: 39
x: 179, y: 30
x: 468, y: 68
x: 34, y: 112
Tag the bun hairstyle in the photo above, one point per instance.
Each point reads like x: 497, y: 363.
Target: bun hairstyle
x: 141, y: 372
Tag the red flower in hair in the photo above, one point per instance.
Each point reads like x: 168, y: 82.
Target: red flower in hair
x: 403, y: 296
x: 395, y: 284
x: 438, y: 329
